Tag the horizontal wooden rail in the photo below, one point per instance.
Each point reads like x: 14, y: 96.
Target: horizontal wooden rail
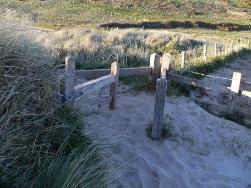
x: 93, y: 85
x: 138, y: 71
x: 246, y: 93
x: 93, y: 74
x: 187, y: 80
x: 199, y: 83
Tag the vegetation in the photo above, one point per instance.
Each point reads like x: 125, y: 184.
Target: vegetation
x: 245, y: 3
x: 132, y: 47
x: 167, y: 131
x: 62, y: 13
x: 139, y: 84
x: 42, y: 143
x: 234, y: 116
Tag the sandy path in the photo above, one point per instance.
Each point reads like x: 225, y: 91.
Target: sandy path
x: 203, y: 151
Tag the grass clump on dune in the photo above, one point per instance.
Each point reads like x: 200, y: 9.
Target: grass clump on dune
x: 42, y: 143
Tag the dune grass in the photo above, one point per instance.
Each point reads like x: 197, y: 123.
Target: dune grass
x: 98, y: 48
x: 42, y: 142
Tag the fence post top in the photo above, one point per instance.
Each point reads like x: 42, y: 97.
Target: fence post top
x: 70, y: 57
x: 166, y: 57
x: 155, y: 60
x: 155, y: 54
x: 165, y: 64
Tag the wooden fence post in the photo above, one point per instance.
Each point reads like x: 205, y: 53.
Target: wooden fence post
x: 114, y: 85
x: 183, y: 60
x: 69, y: 79
x: 235, y: 87
x: 158, y: 115
x: 165, y: 64
x: 205, y: 52
x: 236, y: 82
x: 156, y: 66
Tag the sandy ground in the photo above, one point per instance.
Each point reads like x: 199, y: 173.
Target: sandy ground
x: 203, y: 150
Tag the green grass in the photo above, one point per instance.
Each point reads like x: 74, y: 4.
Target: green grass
x: 61, y: 13
x: 138, y: 84
x: 216, y: 35
x: 232, y: 116
x: 214, y: 63
x: 236, y: 117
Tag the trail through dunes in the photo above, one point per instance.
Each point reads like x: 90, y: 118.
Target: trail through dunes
x: 203, y: 150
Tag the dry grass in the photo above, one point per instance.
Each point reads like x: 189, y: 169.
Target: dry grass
x: 133, y: 47
x: 37, y: 132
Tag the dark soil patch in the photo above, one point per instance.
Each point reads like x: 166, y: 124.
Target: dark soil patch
x: 177, y: 24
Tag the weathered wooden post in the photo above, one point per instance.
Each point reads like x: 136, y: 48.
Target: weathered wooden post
x: 160, y: 97
x: 156, y: 66
x: 236, y: 82
x: 69, y: 80
x: 114, y: 85
x: 165, y: 64
x: 183, y: 60
x: 158, y: 115
x: 205, y: 52
x: 235, y: 88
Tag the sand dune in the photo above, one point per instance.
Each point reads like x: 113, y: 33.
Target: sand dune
x: 203, y: 151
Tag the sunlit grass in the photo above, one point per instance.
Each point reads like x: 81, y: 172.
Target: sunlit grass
x: 61, y: 13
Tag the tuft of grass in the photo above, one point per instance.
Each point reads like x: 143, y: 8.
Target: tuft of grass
x: 83, y: 168
x: 168, y: 128
x: 236, y: 117
x: 233, y: 116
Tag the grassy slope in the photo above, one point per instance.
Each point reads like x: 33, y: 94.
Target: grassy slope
x: 56, y: 13
x: 42, y: 142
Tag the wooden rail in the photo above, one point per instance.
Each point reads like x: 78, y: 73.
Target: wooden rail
x: 88, y: 88
x: 187, y: 81
x: 123, y: 72
x: 235, y: 84
x: 69, y: 92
